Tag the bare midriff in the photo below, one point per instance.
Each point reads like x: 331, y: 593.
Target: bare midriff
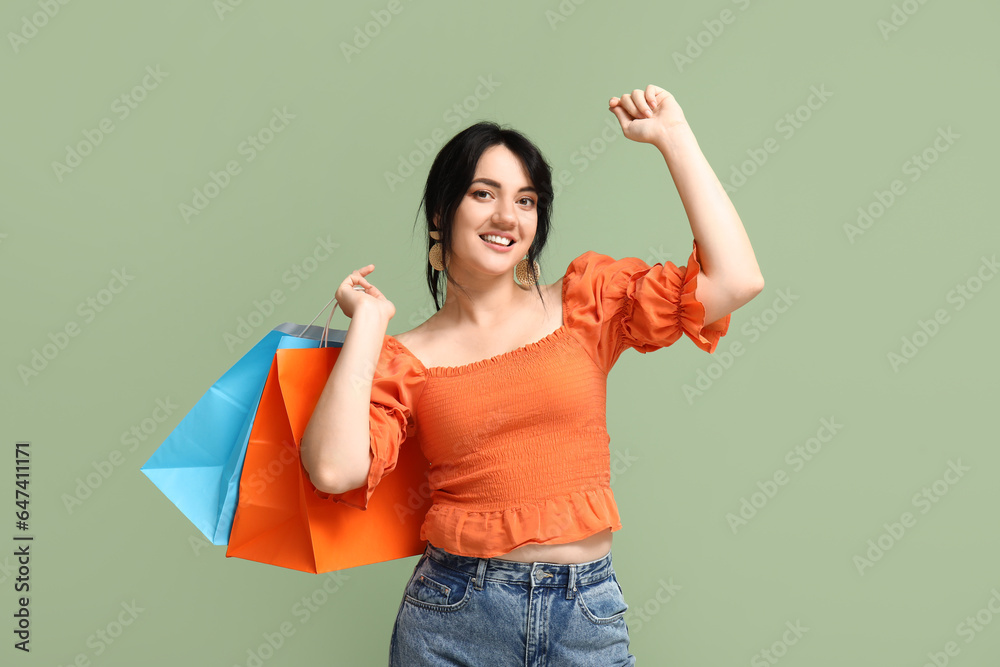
x: 582, y: 551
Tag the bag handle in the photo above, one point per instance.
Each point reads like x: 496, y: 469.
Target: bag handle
x: 326, y: 329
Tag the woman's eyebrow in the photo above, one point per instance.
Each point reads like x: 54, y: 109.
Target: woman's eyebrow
x: 492, y: 183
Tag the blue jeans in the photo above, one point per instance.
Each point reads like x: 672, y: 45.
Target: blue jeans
x: 472, y: 612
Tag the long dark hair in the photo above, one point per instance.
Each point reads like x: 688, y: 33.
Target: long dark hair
x: 452, y: 173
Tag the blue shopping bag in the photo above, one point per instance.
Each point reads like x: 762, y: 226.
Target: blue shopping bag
x: 198, y: 466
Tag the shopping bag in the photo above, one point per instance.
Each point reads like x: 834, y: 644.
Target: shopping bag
x: 197, y: 467
x: 279, y: 518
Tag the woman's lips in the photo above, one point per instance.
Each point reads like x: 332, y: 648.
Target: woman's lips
x: 497, y: 246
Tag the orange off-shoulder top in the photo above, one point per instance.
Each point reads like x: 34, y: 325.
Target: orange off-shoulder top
x: 518, y: 443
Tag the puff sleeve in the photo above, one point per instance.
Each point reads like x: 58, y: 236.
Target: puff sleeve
x: 616, y: 304
x: 396, y: 385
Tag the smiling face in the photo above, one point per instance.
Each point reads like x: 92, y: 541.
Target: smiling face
x: 501, y: 200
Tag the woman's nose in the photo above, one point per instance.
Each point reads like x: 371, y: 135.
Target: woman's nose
x: 505, y: 212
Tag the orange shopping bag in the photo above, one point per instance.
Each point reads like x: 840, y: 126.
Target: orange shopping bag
x: 279, y: 518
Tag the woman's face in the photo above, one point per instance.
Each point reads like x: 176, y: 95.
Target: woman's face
x: 501, y: 199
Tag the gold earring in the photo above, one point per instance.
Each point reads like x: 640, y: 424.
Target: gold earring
x: 524, y: 279
x: 434, y: 256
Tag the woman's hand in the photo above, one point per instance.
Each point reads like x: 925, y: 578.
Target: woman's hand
x: 350, y: 299
x: 647, y: 116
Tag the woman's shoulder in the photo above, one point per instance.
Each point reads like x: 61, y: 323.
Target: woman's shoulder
x: 414, y: 337
x: 411, y: 343
x: 404, y: 340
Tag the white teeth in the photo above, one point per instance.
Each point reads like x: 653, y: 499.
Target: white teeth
x: 496, y: 239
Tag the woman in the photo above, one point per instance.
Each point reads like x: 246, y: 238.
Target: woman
x: 503, y: 389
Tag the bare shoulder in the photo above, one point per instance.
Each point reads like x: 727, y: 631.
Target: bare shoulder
x: 553, y: 292
x: 418, y: 341
x: 434, y: 341
x: 413, y: 338
x: 407, y: 337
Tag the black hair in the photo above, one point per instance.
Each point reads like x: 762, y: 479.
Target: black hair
x: 451, y: 174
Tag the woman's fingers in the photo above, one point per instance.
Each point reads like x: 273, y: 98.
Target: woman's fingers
x: 359, y: 275
x: 651, y: 93
x: 625, y: 102
x: 635, y: 104
x: 359, y: 283
x: 639, y: 103
x: 623, y: 117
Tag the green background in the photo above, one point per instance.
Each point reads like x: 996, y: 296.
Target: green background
x: 825, y: 356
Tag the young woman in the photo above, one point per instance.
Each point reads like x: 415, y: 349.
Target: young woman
x: 503, y: 389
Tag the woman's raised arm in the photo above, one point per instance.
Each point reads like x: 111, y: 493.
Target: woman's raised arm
x: 729, y: 275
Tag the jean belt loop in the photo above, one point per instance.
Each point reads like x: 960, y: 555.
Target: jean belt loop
x: 571, y: 583
x: 481, y: 573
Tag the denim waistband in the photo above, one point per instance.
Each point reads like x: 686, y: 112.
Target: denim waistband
x: 562, y: 575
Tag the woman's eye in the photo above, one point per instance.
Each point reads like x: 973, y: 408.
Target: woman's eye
x: 526, y: 201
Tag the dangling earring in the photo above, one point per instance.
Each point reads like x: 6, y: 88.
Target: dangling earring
x: 524, y: 279
x: 434, y: 256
